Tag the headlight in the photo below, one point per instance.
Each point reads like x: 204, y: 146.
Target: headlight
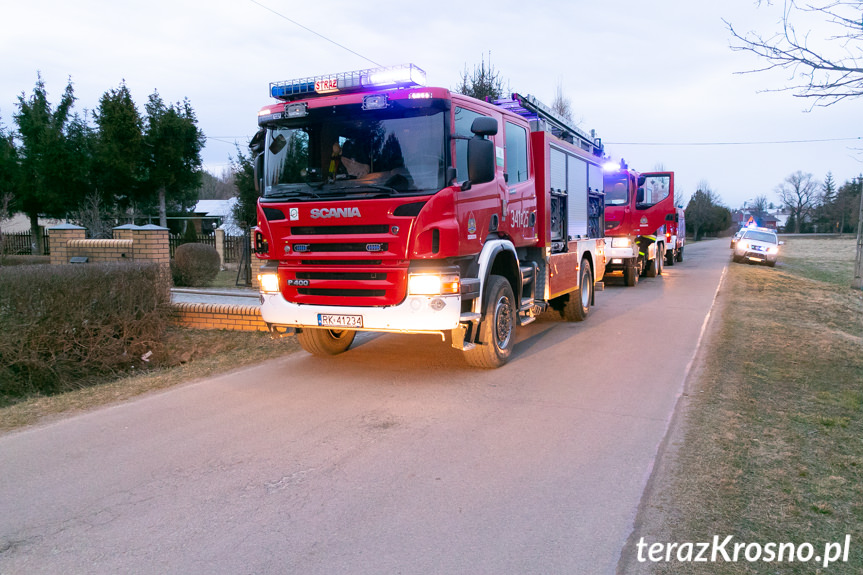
x: 772, y: 250
x: 743, y: 245
x: 269, y: 283
x: 621, y: 242
x: 433, y: 284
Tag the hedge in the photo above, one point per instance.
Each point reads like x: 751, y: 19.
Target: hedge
x: 64, y: 326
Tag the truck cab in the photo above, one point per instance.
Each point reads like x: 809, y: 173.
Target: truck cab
x: 637, y: 208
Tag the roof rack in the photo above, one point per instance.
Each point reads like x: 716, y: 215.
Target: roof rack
x: 532, y: 109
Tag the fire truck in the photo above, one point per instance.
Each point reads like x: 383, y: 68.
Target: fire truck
x: 675, y: 237
x: 389, y: 206
x: 637, y: 209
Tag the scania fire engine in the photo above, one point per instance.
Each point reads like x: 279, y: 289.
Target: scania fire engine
x: 389, y: 206
x: 637, y: 208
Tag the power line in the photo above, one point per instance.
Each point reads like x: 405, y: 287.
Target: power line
x: 732, y: 143
x: 315, y: 33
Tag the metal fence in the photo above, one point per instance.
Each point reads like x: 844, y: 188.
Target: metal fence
x: 20, y: 244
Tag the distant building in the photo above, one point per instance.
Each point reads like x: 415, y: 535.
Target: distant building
x: 209, y: 215
x: 745, y: 217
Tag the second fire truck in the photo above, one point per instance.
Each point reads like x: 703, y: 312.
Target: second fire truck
x: 637, y: 209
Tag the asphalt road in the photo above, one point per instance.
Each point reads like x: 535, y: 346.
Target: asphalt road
x: 392, y: 458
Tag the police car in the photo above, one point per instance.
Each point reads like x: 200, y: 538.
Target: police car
x: 759, y: 245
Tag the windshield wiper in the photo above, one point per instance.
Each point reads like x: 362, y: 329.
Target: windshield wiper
x: 364, y: 188
x: 305, y: 190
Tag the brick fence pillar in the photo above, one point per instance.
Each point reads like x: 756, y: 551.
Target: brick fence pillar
x: 151, y: 244
x: 60, y: 236
x: 123, y: 232
x: 256, y: 264
x: 220, y: 247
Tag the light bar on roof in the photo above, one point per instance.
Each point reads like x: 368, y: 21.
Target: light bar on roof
x: 403, y: 76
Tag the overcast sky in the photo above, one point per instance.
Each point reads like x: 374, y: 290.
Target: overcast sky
x: 652, y: 78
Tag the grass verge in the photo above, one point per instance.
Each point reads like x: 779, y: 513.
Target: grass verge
x: 198, y: 353
x: 768, y: 445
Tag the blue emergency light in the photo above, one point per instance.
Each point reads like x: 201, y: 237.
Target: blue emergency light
x: 403, y: 76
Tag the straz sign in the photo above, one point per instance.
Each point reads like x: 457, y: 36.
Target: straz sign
x: 327, y: 85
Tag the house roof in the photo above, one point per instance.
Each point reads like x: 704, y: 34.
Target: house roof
x: 215, y: 208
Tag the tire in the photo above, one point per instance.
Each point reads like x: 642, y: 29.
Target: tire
x: 577, y: 306
x: 654, y: 267
x: 630, y: 276
x: 669, y: 258
x: 679, y: 257
x: 497, y: 328
x: 736, y: 258
x: 324, y: 342
x: 771, y: 264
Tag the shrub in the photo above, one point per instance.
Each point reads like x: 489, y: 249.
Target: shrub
x: 195, y: 265
x: 64, y: 326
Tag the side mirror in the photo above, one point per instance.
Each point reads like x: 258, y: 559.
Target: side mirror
x: 484, y: 126
x: 639, y: 196
x: 670, y: 217
x: 256, y: 145
x: 259, y: 171
x: 480, y: 160
x: 781, y: 243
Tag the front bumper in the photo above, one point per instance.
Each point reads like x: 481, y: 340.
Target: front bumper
x: 618, y: 257
x: 756, y: 256
x: 416, y: 314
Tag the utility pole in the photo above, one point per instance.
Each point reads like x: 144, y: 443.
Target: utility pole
x: 858, y: 264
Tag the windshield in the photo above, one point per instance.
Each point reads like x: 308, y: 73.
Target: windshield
x: 347, y: 151
x: 614, y: 184
x: 760, y: 237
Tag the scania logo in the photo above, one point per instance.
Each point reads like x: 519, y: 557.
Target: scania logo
x: 335, y: 213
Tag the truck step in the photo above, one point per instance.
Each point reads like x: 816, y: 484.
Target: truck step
x: 599, y: 286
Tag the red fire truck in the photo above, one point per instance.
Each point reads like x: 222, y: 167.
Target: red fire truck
x: 675, y: 237
x: 392, y: 207
x: 637, y: 208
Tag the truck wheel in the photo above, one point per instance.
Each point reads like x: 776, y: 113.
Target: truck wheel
x: 679, y: 257
x: 630, y: 275
x: 654, y: 267
x: 577, y: 306
x: 325, y: 341
x: 669, y: 258
x: 497, y: 329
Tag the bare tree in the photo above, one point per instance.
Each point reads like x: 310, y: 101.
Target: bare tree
x: 826, y: 69
x: 561, y: 104
x: 799, y: 192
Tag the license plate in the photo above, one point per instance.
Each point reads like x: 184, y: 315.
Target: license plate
x: 333, y: 320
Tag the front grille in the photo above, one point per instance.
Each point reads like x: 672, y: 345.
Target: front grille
x: 339, y: 230
x: 324, y: 248
x: 340, y: 262
x: 342, y: 292
x: 356, y: 276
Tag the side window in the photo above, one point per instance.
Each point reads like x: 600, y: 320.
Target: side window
x: 656, y: 189
x: 463, y: 120
x: 516, y: 153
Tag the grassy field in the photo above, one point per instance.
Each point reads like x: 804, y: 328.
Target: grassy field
x: 768, y: 446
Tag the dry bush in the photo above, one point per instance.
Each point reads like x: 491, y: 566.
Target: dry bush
x: 63, y: 326
x: 195, y: 265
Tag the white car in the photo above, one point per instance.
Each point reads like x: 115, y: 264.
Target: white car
x: 757, y: 245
